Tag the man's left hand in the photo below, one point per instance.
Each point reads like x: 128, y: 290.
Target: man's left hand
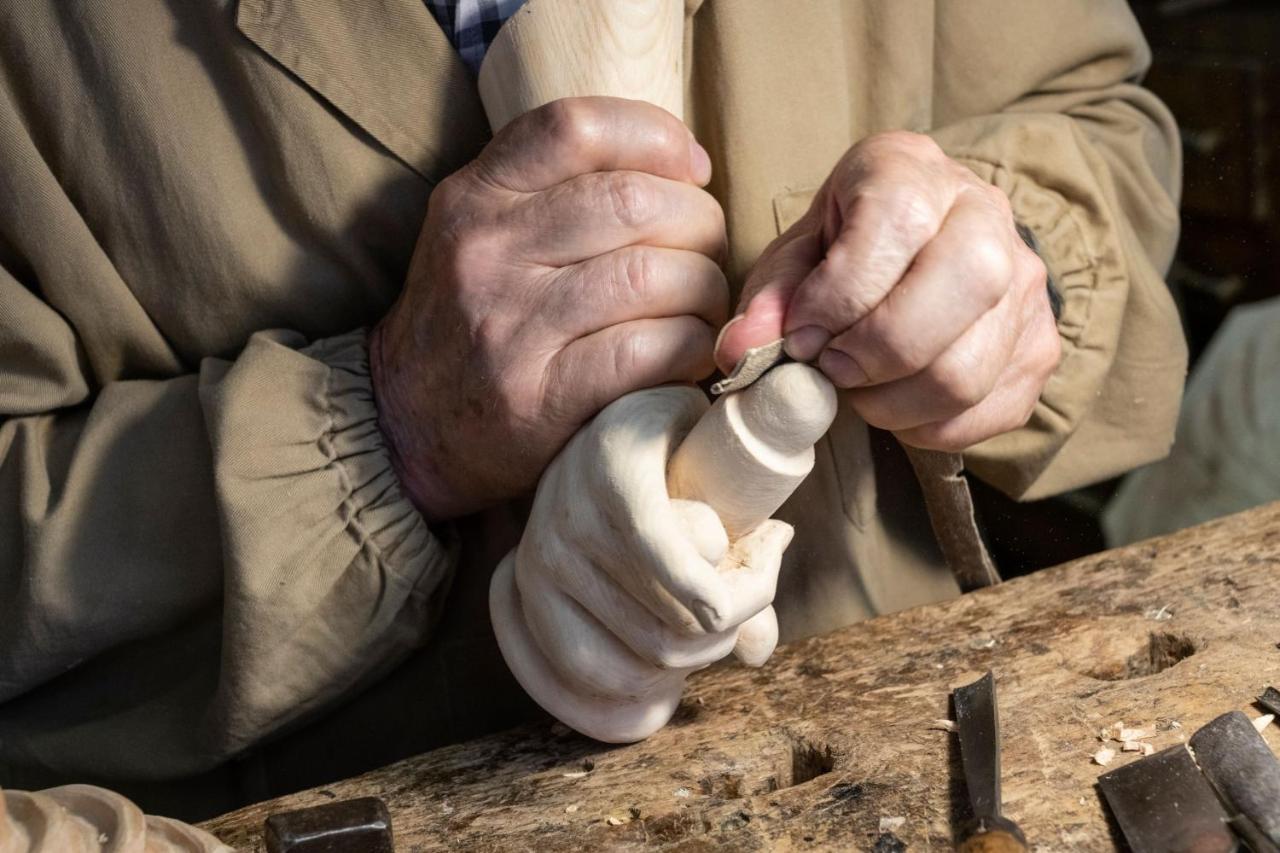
x: 907, y: 284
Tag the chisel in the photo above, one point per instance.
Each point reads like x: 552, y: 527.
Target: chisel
x: 978, y: 726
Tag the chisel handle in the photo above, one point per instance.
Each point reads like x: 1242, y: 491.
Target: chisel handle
x: 992, y: 835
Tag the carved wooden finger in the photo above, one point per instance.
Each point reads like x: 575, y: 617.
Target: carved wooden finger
x: 88, y: 819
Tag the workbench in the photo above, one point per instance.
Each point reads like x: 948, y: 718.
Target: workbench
x: 834, y: 744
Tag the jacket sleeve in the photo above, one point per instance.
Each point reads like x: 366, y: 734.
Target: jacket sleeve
x: 187, y: 563
x: 1043, y: 100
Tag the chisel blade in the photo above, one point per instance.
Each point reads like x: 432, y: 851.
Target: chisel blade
x: 1240, y: 765
x: 978, y: 727
x: 1164, y: 804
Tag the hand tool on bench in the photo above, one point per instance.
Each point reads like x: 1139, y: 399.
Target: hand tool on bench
x: 346, y: 826
x: 978, y: 727
x: 1164, y: 804
x: 1270, y: 699
x: 1241, y: 767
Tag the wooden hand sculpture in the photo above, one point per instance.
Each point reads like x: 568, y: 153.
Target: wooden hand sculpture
x: 85, y: 819
x: 620, y: 586
x: 618, y: 589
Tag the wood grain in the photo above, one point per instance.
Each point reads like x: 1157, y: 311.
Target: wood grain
x: 810, y: 752
x: 556, y: 49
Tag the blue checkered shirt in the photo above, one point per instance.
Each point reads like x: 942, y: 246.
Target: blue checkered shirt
x: 472, y: 25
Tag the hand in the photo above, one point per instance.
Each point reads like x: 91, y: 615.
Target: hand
x: 617, y: 591
x: 573, y: 261
x: 908, y: 284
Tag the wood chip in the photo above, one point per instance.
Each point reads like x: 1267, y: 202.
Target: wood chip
x: 573, y: 808
x: 1103, y: 756
x: 683, y: 792
x: 1148, y: 749
x: 1131, y: 746
x: 891, y: 824
x: 943, y: 726
x: 614, y: 820
x: 1127, y: 734
x: 577, y: 774
x: 1262, y: 722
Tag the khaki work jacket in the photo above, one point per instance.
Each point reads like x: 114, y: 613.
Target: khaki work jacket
x: 204, y: 204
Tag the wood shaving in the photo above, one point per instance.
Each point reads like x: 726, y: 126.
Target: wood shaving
x: 573, y: 808
x: 1131, y: 746
x: 1103, y: 756
x: 891, y: 824
x: 942, y: 726
x: 1148, y: 749
x: 577, y: 774
x: 1262, y: 722
x: 614, y: 820
x: 683, y: 792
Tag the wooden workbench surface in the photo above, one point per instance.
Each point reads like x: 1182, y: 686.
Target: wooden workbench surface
x: 812, y: 751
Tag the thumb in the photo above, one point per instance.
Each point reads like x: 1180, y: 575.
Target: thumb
x: 762, y: 310
x: 757, y: 638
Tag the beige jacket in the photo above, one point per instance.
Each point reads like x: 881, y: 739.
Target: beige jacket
x: 202, y: 206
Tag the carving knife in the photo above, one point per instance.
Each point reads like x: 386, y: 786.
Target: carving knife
x: 978, y: 726
x: 946, y: 492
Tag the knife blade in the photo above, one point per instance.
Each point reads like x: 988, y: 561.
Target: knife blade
x: 978, y: 727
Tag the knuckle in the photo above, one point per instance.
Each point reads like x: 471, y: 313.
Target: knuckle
x: 958, y: 380
x: 629, y: 199
x: 910, y: 214
x: 991, y: 267
x: 571, y: 123
x: 635, y: 272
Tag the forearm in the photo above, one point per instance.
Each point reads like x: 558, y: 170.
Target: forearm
x: 257, y: 493
x: 1090, y: 163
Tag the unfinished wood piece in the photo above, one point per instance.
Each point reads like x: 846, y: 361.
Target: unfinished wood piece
x: 754, y: 447
x: 743, y: 461
x: 571, y: 632
x: 554, y: 49
x: 88, y: 819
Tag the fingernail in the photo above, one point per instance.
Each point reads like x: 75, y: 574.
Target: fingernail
x: 699, y: 162
x: 725, y: 329
x: 842, y: 370
x: 805, y: 343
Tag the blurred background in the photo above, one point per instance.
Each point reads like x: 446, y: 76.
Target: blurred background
x: 1216, y: 63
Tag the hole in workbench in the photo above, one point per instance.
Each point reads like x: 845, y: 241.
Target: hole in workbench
x: 809, y: 761
x: 1162, y: 650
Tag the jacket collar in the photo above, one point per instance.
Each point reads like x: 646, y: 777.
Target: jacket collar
x: 386, y: 65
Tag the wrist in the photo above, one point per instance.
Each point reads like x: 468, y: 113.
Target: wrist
x: 404, y: 432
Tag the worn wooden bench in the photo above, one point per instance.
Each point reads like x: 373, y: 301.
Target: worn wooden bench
x: 833, y: 742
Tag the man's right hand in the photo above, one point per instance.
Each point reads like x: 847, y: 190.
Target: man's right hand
x: 574, y: 261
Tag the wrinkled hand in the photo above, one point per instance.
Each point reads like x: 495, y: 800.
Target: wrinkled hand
x: 908, y: 284
x: 573, y: 261
x: 619, y: 591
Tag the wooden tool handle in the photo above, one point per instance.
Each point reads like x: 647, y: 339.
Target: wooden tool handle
x: 553, y: 49
x: 993, y: 835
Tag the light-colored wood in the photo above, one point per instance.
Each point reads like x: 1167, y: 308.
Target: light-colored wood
x: 553, y: 49
x: 835, y: 733
x: 88, y: 819
x: 743, y: 459
x: 754, y: 447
